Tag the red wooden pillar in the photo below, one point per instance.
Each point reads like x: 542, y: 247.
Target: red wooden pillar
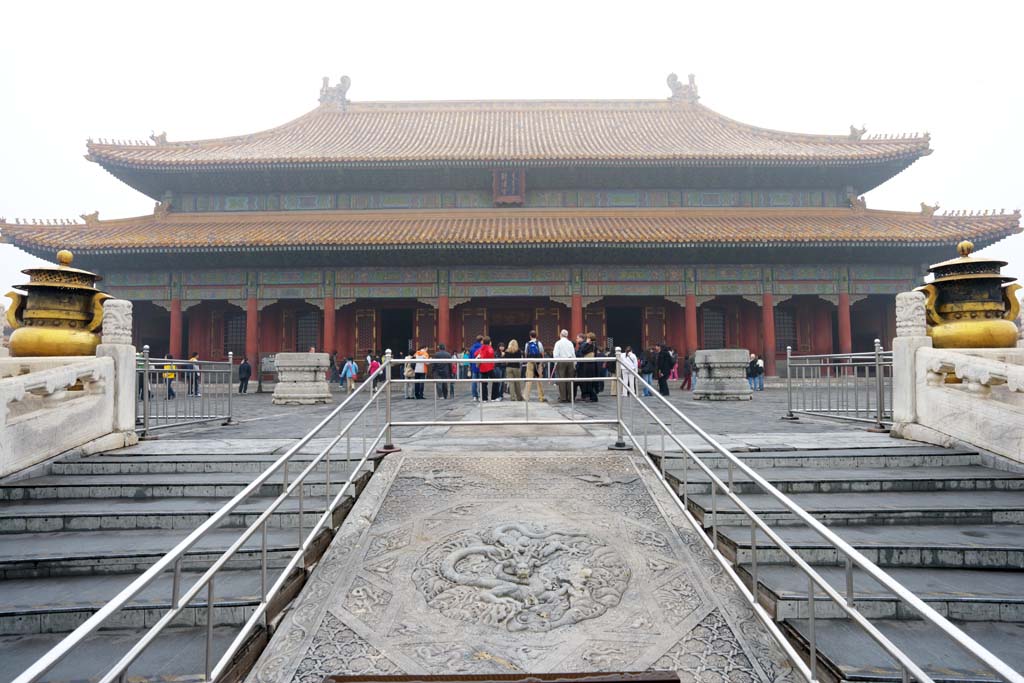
x: 845, y: 337
x: 175, y: 341
x: 577, y: 315
x: 691, y: 323
x: 443, y: 323
x: 329, y: 325
x: 768, y: 323
x: 251, y: 330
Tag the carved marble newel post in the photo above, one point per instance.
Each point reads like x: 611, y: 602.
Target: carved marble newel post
x: 4, y: 351
x: 116, y: 342
x: 911, y: 334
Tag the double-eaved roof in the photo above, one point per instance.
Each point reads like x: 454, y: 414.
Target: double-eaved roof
x: 511, y: 132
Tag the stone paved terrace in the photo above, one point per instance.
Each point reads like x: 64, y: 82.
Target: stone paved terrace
x: 380, y: 599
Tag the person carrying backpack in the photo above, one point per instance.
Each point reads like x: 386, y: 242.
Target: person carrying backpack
x: 534, y: 352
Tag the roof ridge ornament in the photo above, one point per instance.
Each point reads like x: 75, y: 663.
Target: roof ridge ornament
x: 857, y: 133
x: 160, y: 139
x: 680, y: 92
x: 91, y: 219
x: 335, y: 94
x: 856, y: 203
x: 929, y: 210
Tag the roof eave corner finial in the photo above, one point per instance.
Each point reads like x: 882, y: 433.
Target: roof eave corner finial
x: 680, y: 92
x: 335, y: 94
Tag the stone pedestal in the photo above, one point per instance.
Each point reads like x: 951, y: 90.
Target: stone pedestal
x: 722, y: 375
x: 301, y: 379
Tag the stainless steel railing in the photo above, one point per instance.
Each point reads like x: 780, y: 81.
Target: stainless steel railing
x: 629, y: 384
x: 294, y: 484
x: 171, y: 392
x: 844, y: 386
x: 633, y: 383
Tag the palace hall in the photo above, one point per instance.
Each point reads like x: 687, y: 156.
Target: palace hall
x: 371, y: 225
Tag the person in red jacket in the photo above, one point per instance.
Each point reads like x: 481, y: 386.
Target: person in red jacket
x: 487, y: 371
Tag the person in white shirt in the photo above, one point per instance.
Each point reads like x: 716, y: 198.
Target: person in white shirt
x: 564, y: 349
x: 629, y: 361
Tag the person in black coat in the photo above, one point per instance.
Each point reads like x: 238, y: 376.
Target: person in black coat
x: 665, y: 362
x: 244, y: 373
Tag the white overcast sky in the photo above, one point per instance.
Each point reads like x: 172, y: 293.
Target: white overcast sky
x: 206, y: 69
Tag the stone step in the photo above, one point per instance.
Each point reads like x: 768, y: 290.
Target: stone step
x: 792, y: 480
x: 967, y: 546
x: 61, y: 604
x: 178, y: 654
x: 91, y: 514
x: 74, y: 553
x: 250, y: 463
x: 851, y: 655
x: 910, y: 507
x: 175, y: 485
x: 833, y: 458
x: 964, y: 594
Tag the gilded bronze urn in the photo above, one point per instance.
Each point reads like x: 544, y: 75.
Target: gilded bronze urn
x: 61, y: 313
x: 970, y: 304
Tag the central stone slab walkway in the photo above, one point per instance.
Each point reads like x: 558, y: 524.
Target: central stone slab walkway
x: 459, y: 558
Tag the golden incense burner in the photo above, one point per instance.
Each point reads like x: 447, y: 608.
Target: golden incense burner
x: 970, y: 305
x: 60, y: 315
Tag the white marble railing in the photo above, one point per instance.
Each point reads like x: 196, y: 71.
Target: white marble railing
x: 972, y: 397
x: 50, y: 405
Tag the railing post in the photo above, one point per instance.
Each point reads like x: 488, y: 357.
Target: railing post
x: 789, y: 385
x: 146, y: 390
x: 389, y: 446
x: 879, y: 391
x: 230, y: 385
x: 619, y: 387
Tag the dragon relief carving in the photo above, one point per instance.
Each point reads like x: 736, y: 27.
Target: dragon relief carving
x: 522, y: 577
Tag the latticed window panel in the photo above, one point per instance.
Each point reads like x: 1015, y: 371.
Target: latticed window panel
x: 714, y: 329
x: 785, y: 330
x: 234, y: 334
x: 307, y: 330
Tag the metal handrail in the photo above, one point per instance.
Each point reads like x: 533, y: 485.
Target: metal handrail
x: 853, y: 556
x: 174, y: 557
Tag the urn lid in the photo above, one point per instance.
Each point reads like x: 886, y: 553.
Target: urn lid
x: 968, y: 267
x: 61, y: 277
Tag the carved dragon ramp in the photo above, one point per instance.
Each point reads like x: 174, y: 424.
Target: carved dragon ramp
x: 508, y: 562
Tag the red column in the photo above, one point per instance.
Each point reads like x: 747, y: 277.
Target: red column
x: 677, y: 329
x: 443, y: 325
x: 329, y: 325
x: 845, y: 338
x: 175, y: 341
x: 577, y: 315
x: 691, y: 323
x: 768, y: 323
x: 251, y: 330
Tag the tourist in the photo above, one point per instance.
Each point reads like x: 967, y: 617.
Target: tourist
x: 588, y: 371
x: 420, y: 371
x: 648, y: 366
x: 513, y: 371
x: 169, y: 377
x: 474, y: 368
x: 629, y: 361
x: 674, y: 375
x: 374, y: 367
x: 687, y: 375
x: 564, y: 370
x: 665, y: 364
x: 244, y: 373
x: 576, y: 388
x: 752, y: 372
x: 534, y: 368
x: 348, y: 375
x: 486, y: 368
x: 409, y: 373
x: 192, y: 374
x: 442, y: 371
x: 759, y: 377
x: 499, y: 372
x: 332, y: 367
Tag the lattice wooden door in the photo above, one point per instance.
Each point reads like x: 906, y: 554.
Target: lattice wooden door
x: 714, y: 328
x: 366, y: 332
x: 594, y: 321
x: 426, y: 326
x: 547, y: 327
x: 654, y: 325
x: 474, y: 322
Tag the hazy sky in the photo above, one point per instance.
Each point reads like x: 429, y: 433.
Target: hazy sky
x: 205, y: 69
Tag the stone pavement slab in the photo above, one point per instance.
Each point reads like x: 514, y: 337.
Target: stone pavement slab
x: 518, y: 562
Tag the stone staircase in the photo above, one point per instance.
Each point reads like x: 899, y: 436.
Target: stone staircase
x: 72, y: 538
x: 944, y: 522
